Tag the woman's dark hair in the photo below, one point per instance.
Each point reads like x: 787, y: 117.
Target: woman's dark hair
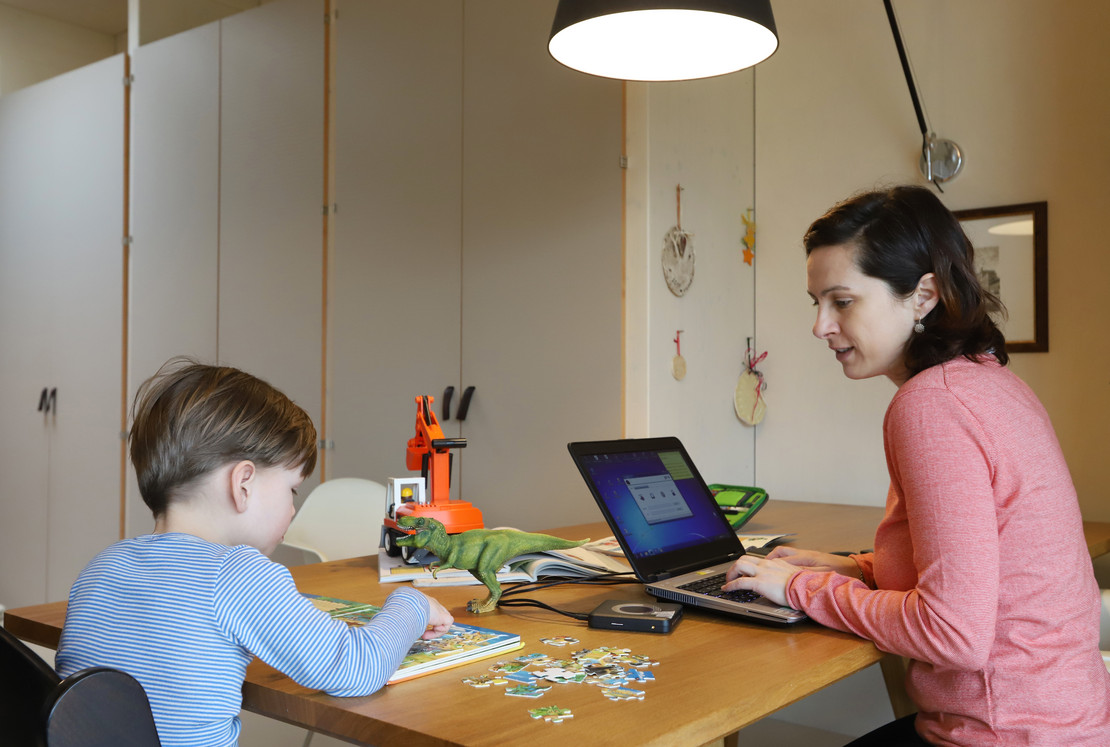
x: 899, y: 235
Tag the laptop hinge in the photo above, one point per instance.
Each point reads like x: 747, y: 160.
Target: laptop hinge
x: 690, y: 568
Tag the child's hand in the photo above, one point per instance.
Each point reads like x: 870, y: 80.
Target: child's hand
x: 439, y: 620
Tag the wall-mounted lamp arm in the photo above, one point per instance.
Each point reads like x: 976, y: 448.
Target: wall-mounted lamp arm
x: 940, y: 159
x: 905, y: 66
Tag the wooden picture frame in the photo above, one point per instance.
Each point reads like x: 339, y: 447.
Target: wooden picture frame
x: 1011, y: 255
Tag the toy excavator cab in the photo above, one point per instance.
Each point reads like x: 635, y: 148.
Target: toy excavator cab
x: 430, y: 494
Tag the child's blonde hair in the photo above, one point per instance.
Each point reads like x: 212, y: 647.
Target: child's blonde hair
x: 190, y: 419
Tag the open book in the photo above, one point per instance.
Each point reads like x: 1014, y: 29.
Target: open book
x: 574, y: 562
x: 459, y: 645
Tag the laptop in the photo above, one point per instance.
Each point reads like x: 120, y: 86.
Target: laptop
x: 674, y: 535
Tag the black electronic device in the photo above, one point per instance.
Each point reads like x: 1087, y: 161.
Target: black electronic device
x: 643, y: 617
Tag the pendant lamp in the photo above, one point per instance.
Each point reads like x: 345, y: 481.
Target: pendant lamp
x: 661, y: 40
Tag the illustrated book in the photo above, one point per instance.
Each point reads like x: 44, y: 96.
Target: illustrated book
x: 459, y: 645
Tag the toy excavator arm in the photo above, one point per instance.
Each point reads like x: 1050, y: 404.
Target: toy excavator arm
x: 429, y: 451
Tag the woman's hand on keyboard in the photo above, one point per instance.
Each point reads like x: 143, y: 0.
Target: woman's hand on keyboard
x: 766, y: 576
x: 812, y: 560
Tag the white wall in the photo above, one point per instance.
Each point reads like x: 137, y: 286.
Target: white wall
x: 698, y: 135
x: 1020, y: 85
x: 34, y: 48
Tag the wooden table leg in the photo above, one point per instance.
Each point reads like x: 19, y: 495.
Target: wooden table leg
x: 894, y: 674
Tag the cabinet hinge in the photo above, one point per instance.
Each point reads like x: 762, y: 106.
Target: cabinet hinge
x: 128, y: 80
x: 128, y: 241
x: 325, y: 443
x: 623, y: 161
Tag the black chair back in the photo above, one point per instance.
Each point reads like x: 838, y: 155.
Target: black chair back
x: 100, y: 707
x: 97, y: 707
x: 26, y: 683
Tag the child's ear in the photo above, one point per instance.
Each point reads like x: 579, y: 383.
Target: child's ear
x: 242, y: 483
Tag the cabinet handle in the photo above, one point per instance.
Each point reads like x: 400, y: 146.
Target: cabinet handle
x: 447, y: 394
x: 464, y: 404
x: 48, y: 399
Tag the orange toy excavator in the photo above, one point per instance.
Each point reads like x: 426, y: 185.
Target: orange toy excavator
x: 430, y: 452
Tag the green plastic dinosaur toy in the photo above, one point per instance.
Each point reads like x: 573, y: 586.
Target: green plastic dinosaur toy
x: 481, y: 551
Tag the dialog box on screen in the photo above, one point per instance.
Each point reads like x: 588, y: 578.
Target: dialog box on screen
x: 658, y: 498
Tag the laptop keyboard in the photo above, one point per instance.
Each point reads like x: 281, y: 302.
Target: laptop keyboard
x: 711, y: 586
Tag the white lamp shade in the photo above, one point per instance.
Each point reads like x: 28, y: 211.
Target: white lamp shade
x: 657, y: 41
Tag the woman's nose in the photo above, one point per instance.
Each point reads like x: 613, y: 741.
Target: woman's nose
x: 823, y: 326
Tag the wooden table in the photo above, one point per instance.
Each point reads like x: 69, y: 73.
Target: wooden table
x: 715, y: 676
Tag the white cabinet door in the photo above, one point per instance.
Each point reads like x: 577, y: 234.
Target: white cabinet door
x: 25, y: 339
x: 61, y: 206
x: 542, y: 267
x: 394, y: 294
x: 478, y: 224
x: 175, y: 151
x: 227, y: 153
x: 271, y: 197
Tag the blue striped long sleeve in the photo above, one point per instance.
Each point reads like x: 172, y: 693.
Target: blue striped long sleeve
x: 289, y: 633
x: 185, y: 617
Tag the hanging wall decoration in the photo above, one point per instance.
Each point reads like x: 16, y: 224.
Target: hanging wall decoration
x: 678, y: 253
x: 748, y: 399
x: 749, y: 237
x: 678, y: 363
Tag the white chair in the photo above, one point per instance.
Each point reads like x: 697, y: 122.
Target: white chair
x: 1104, y: 628
x: 340, y: 518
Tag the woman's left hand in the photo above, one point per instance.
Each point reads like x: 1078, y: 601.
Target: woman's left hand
x: 766, y: 576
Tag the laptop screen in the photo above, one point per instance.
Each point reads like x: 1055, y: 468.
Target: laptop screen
x: 656, y: 503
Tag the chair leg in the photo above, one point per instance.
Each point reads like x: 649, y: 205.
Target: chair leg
x: 308, y: 738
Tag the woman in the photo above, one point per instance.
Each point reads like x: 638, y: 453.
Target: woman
x: 980, y: 573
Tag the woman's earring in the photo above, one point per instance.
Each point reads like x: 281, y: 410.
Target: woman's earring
x: 918, y: 327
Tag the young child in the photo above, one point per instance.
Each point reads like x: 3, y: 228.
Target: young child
x: 219, y: 455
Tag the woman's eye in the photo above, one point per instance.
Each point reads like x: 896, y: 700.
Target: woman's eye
x: 842, y: 303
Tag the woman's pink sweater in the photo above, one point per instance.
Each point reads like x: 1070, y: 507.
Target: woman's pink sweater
x: 981, y: 572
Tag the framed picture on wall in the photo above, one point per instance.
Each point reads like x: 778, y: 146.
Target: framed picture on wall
x: 1011, y: 257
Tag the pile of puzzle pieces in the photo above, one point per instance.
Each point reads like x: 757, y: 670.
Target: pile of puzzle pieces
x: 616, y: 671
